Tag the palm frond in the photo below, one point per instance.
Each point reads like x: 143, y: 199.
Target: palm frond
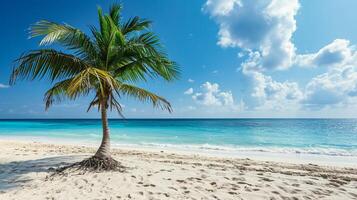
x: 135, y: 24
x: 114, y: 13
x: 95, y: 102
x: 143, y: 56
x: 144, y: 95
x: 65, y: 35
x: 114, y: 104
x: 47, y: 63
x: 57, y: 93
x: 103, y: 25
x: 103, y: 64
x: 92, y: 79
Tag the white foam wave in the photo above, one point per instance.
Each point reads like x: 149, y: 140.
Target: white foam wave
x: 236, y: 149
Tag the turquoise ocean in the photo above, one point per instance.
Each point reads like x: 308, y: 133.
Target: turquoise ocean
x: 333, y: 137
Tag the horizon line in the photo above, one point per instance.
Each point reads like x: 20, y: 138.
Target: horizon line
x: 181, y: 118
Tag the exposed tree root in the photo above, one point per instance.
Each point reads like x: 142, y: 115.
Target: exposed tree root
x: 92, y: 164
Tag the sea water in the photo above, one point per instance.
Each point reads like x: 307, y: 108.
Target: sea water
x: 333, y: 137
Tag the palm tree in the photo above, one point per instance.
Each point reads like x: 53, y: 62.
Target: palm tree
x: 105, y: 65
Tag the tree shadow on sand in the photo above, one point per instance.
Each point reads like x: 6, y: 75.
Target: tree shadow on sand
x: 16, y: 174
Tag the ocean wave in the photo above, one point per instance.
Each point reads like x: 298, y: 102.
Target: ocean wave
x: 208, y: 148
x: 235, y: 149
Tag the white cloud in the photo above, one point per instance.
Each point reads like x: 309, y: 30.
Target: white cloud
x: 220, y: 7
x: 4, y: 86
x: 263, y: 30
x: 338, y: 53
x: 190, y: 80
x: 270, y: 94
x: 338, y: 85
x: 264, y: 27
x: 211, y: 101
x: 189, y: 91
x: 212, y: 96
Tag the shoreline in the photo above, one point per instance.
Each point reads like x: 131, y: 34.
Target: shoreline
x: 286, y: 157
x: 25, y: 169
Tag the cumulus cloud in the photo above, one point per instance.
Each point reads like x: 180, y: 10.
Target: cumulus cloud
x: 189, y: 91
x: 264, y: 27
x: 338, y: 85
x: 190, y: 80
x: 263, y: 30
x: 4, y: 86
x: 211, y: 95
x: 338, y: 53
x: 270, y: 94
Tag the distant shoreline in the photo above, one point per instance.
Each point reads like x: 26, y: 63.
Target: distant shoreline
x: 321, y: 141
x: 302, y: 118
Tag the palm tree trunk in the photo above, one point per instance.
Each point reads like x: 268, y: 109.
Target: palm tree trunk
x: 104, y: 149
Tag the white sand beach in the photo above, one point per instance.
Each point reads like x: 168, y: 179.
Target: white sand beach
x: 25, y: 173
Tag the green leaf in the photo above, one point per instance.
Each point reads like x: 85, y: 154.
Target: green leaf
x: 107, y: 63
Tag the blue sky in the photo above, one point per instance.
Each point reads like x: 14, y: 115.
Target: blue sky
x: 239, y: 58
